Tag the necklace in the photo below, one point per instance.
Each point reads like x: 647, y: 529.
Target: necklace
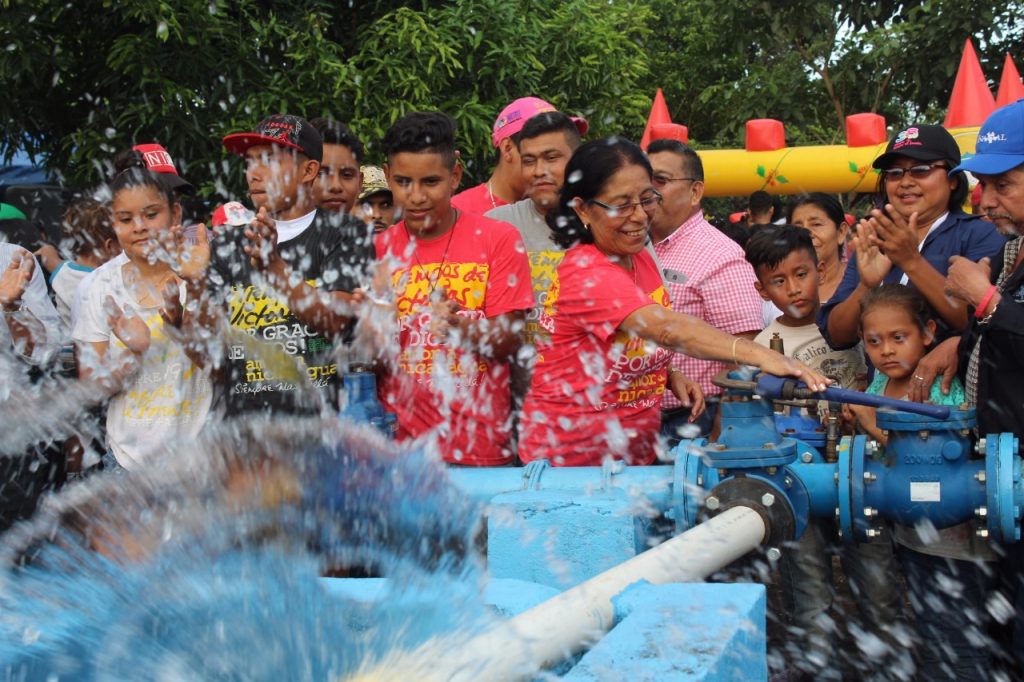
x: 444, y: 257
x: 490, y: 195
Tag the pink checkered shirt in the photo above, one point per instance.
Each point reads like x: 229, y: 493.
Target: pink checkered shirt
x: 719, y: 289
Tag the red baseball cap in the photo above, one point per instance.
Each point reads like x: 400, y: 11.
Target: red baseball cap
x: 158, y: 160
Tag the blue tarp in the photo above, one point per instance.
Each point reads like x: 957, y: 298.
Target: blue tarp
x: 20, y: 174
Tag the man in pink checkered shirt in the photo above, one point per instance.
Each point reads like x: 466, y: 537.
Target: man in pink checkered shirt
x: 705, y: 271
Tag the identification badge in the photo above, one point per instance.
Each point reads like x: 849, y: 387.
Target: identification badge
x: 674, y: 276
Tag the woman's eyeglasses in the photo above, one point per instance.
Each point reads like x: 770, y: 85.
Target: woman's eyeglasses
x: 919, y: 172
x: 648, y: 203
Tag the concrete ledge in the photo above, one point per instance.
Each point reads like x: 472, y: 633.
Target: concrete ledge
x: 699, y: 631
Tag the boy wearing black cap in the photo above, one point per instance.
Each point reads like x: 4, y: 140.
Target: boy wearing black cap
x: 284, y: 279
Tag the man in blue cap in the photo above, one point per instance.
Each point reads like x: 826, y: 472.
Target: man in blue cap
x: 991, y: 349
x: 990, y: 354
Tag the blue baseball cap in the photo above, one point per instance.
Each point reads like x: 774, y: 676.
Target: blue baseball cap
x: 1000, y: 144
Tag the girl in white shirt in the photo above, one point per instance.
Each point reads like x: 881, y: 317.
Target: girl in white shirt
x: 167, y: 400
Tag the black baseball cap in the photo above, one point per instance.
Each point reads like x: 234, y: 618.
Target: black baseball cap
x: 923, y: 142
x: 283, y: 130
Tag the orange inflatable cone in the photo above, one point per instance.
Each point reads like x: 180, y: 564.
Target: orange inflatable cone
x: 659, y: 115
x: 1010, y: 87
x: 971, y: 101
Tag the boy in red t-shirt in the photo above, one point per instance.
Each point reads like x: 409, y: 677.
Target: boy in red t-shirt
x: 461, y: 284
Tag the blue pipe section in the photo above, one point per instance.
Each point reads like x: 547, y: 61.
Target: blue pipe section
x: 819, y: 478
x: 925, y: 471
x: 927, y: 474
x: 655, y: 483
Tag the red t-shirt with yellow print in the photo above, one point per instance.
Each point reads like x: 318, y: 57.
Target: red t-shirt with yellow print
x: 596, y: 390
x: 459, y: 396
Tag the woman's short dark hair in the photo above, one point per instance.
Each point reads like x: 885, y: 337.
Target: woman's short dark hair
x: 826, y: 202
x: 586, y: 174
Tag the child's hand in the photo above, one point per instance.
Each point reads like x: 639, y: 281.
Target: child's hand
x: 128, y: 327
x: 190, y: 260
x: 864, y: 419
x: 172, y: 312
x: 16, y: 278
x: 847, y: 419
x: 50, y: 257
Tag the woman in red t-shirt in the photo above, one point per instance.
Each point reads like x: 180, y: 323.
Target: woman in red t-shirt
x: 598, y: 382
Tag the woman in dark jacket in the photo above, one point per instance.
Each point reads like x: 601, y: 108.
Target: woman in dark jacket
x: 913, y: 236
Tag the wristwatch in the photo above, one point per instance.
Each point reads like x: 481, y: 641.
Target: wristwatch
x: 13, y: 307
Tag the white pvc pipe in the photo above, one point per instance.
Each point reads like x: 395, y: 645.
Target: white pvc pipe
x: 566, y: 624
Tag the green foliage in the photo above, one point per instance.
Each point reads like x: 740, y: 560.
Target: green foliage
x: 92, y: 77
x: 87, y: 78
x: 810, y: 63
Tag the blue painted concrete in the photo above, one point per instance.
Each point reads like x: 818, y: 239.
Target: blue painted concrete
x: 696, y: 631
x: 699, y: 632
x: 506, y: 597
x: 560, y: 538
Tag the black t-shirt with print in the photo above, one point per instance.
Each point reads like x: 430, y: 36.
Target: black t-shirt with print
x: 273, y: 361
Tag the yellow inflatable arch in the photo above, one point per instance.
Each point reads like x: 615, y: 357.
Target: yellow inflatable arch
x: 768, y: 165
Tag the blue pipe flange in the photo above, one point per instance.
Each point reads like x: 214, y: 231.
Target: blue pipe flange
x: 861, y: 523
x: 691, y: 478
x: 763, y: 496
x: 894, y: 420
x: 848, y: 451
x: 1002, y: 473
x: 798, y: 495
x: 767, y: 454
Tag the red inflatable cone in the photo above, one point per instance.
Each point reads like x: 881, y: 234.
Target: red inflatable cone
x: 971, y: 100
x: 1010, y: 87
x: 659, y: 115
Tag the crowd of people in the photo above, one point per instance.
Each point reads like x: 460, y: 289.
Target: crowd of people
x: 574, y: 307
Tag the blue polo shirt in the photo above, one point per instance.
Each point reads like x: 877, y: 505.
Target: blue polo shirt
x: 959, y: 234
